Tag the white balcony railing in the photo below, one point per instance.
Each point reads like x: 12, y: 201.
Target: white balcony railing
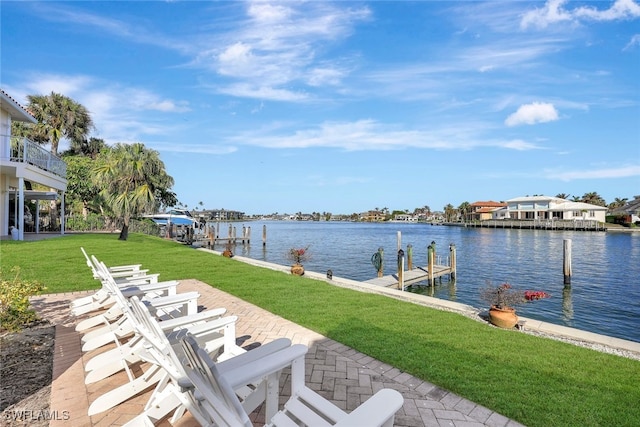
x: 24, y: 150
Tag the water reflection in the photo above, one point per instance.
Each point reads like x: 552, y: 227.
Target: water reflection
x: 567, y: 304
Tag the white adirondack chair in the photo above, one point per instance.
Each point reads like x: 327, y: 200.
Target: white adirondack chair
x: 218, y: 404
x: 165, y: 352
x: 124, y: 276
x: 171, y: 306
x: 216, y: 335
x: 113, y: 311
x: 103, y: 365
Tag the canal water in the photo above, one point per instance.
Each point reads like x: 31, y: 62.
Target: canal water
x: 604, y: 296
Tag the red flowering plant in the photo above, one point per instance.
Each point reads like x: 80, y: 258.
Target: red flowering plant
x: 298, y: 255
x: 505, y: 296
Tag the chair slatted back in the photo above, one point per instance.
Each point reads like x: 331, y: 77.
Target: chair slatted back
x: 220, y: 400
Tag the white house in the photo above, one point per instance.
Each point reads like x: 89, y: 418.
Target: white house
x: 23, y: 166
x: 545, y: 207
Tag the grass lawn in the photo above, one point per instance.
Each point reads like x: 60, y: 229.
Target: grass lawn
x: 536, y: 381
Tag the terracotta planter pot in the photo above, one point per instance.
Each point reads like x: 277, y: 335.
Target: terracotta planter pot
x: 503, y: 317
x: 297, y: 269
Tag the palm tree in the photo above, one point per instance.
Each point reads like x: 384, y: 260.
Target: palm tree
x: 617, y: 203
x: 58, y: 117
x: 563, y: 196
x: 449, y: 212
x: 464, y: 209
x: 594, y: 199
x: 132, y: 175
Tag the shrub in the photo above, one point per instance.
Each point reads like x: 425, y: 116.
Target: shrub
x: 15, y: 310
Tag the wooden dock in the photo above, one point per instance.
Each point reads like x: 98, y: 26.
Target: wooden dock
x: 410, y: 277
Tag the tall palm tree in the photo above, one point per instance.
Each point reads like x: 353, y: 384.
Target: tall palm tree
x: 617, y: 203
x: 464, y: 209
x: 132, y: 176
x: 594, y: 199
x: 58, y: 117
x: 449, y: 212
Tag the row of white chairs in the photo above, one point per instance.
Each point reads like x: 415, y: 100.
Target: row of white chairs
x: 194, y: 363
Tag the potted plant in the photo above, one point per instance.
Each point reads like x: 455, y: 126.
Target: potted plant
x: 502, y: 300
x: 298, y: 255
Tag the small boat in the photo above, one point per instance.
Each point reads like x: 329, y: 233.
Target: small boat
x: 174, y: 216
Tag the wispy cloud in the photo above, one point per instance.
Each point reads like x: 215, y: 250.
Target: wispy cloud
x: 529, y: 114
x: 605, y: 173
x: 635, y: 41
x: 370, y: 135
x: 276, y: 52
x: 137, y: 32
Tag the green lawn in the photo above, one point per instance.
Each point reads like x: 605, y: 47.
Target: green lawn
x: 536, y: 381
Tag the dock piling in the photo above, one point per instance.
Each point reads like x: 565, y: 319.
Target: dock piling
x: 567, y: 261
x: 264, y: 235
x: 400, y: 269
x: 452, y: 260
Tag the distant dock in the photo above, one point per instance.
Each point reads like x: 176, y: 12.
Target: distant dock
x: 536, y: 224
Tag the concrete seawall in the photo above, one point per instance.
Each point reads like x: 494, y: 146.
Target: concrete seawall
x: 467, y: 310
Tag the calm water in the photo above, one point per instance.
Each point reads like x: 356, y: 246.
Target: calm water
x: 604, y: 296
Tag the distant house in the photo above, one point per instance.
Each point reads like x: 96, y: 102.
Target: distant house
x: 25, y: 165
x: 222, y: 215
x: 372, y: 216
x: 549, y: 208
x: 630, y: 212
x: 406, y: 218
x: 482, y: 211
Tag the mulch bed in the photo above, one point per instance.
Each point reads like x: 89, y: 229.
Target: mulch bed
x: 26, y: 369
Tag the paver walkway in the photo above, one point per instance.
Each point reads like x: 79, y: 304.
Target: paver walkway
x: 339, y: 373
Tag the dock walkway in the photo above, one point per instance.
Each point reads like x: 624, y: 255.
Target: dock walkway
x: 415, y: 275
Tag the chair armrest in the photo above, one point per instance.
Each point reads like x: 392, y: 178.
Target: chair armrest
x: 172, y: 300
x: 376, y: 411
x: 211, y: 319
x: 130, y: 267
x: 258, y: 369
x: 123, y: 274
x: 255, y: 354
x: 137, y: 280
x: 140, y: 290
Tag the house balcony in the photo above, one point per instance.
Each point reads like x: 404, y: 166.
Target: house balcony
x: 25, y: 151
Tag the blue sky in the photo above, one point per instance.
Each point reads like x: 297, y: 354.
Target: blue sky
x: 347, y: 106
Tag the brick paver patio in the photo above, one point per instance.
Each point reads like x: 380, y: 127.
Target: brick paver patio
x: 339, y: 373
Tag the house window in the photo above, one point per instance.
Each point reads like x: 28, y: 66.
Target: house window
x: 529, y: 215
x: 592, y: 214
x: 577, y: 213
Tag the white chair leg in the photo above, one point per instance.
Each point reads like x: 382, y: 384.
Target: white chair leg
x: 126, y: 391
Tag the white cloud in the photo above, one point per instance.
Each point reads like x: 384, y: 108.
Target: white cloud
x: 529, y: 114
x: 120, y: 113
x: 553, y: 13
x: 621, y: 9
